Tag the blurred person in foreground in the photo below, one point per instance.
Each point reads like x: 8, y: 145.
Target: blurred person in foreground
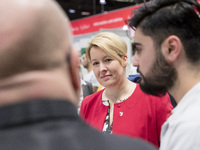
x: 167, y: 54
x: 121, y: 108
x: 39, y: 83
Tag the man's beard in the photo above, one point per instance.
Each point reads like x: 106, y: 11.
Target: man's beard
x: 86, y: 65
x: 160, y: 78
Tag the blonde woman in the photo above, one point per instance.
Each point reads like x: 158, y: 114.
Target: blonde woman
x: 122, y: 107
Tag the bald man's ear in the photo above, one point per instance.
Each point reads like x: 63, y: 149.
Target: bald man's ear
x: 74, y: 71
x: 171, y: 48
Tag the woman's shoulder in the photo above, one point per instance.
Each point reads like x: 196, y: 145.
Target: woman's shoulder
x: 93, y: 97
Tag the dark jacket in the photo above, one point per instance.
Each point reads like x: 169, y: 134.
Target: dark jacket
x: 87, y: 89
x: 55, y: 125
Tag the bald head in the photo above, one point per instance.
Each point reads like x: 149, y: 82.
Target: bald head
x: 34, y: 35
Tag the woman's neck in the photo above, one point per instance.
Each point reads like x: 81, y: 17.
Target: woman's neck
x: 119, y: 93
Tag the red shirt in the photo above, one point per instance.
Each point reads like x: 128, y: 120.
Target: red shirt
x: 141, y: 115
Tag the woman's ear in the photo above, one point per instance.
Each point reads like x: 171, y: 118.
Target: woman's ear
x: 125, y: 61
x: 171, y: 48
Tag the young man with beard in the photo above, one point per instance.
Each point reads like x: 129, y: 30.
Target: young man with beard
x: 167, y: 54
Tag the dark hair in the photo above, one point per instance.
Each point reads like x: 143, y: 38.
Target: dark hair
x: 162, y: 18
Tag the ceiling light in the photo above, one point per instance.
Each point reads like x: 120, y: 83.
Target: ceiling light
x: 102, y: 2
x: 72, y: 11
x: 125, y: 27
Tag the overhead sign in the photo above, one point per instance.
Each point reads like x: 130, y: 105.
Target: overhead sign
x: 109, y: 20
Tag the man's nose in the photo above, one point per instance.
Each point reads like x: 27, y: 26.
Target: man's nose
x: 135, y: 61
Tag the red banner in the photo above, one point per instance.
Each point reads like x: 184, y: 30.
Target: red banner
x: 109, y: 20
x: 113, y: 19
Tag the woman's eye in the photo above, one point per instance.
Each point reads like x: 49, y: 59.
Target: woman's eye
x: 95, y: 63
x: 108, y: 60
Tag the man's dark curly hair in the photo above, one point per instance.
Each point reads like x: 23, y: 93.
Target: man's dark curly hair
x: 162, y: 18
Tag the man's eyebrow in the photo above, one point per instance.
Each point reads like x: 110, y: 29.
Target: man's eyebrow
x: 136, y: 44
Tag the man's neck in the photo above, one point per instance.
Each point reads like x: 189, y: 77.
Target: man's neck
x: 89, y: 68
x: 186, y: 81
x: 35, y: 85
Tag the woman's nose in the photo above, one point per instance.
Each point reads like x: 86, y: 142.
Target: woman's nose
x: 102, y: 67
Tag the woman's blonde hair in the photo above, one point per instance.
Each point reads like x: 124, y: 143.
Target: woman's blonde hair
x: 110, y: 43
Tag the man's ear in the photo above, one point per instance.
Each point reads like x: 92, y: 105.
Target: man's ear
x: 171, y: 48
x: 74, y: 70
